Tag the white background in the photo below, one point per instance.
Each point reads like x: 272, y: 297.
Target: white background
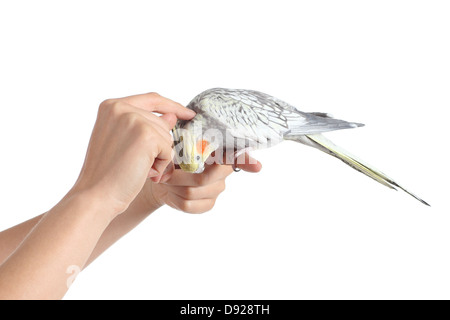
x: 307, y: 226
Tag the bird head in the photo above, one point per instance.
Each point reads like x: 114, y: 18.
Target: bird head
x: 192, y: 149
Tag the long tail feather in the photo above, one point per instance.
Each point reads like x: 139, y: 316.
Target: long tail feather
x: 329, y: 147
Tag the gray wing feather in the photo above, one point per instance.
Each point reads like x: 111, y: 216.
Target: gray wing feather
x: 255, y: 115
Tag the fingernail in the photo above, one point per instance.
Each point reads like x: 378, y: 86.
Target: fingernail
x: 165, y: 178
x: 156, y: 179
x: 153, y: 173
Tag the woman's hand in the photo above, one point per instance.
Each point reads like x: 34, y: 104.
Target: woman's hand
x: 193, y: 193
x: 128, y: 145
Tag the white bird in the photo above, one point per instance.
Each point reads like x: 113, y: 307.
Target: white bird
x: 235, y: 120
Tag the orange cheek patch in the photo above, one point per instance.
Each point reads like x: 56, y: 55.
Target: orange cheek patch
x: 201, y: 146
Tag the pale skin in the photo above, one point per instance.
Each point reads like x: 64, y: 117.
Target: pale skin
x: 127, y: 175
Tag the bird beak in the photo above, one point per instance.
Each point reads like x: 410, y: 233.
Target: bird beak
x: 189, y: 167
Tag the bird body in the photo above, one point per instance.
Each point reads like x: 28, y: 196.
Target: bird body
x: 231, y: 121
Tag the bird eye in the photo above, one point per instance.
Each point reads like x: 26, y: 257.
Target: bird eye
x: 197, y: 158
x: 180, y: 153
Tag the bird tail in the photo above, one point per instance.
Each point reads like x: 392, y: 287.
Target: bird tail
x: 320, y: 142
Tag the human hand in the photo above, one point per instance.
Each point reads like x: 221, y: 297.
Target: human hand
x: 194, y: 193
x: 128, y: 145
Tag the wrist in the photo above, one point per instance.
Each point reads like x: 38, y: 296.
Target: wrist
x: 148, y: 197
x: 93, y: 203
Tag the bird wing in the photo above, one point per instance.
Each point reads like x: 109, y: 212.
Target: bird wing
x: 257, y: 116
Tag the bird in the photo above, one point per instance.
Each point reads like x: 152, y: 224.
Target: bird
x: 235, y: 121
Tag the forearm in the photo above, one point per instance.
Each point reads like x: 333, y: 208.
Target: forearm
x: 65, y: 236
x: 123, y: 223
x: 11, y: 238
x: 140, y: 209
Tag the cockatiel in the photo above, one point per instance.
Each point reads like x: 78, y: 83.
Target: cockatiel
x: 234, y: 120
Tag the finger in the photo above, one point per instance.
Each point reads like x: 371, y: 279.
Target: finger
x: 152, y: 173
x: 160, y: 165
x: 181, y: 178
x: 215, y: 172
x: 190, y: 206
x: 244, y: 161
x: 158, y: 168
x: 162, y: 155
x: 162, y: 125
x: 170, y: 119
x: 167, y: 173
x: 153, y: 102
x: 211, y: 174
x: 196, y: 193
x: 247, y: 163
x: 165, y: 122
